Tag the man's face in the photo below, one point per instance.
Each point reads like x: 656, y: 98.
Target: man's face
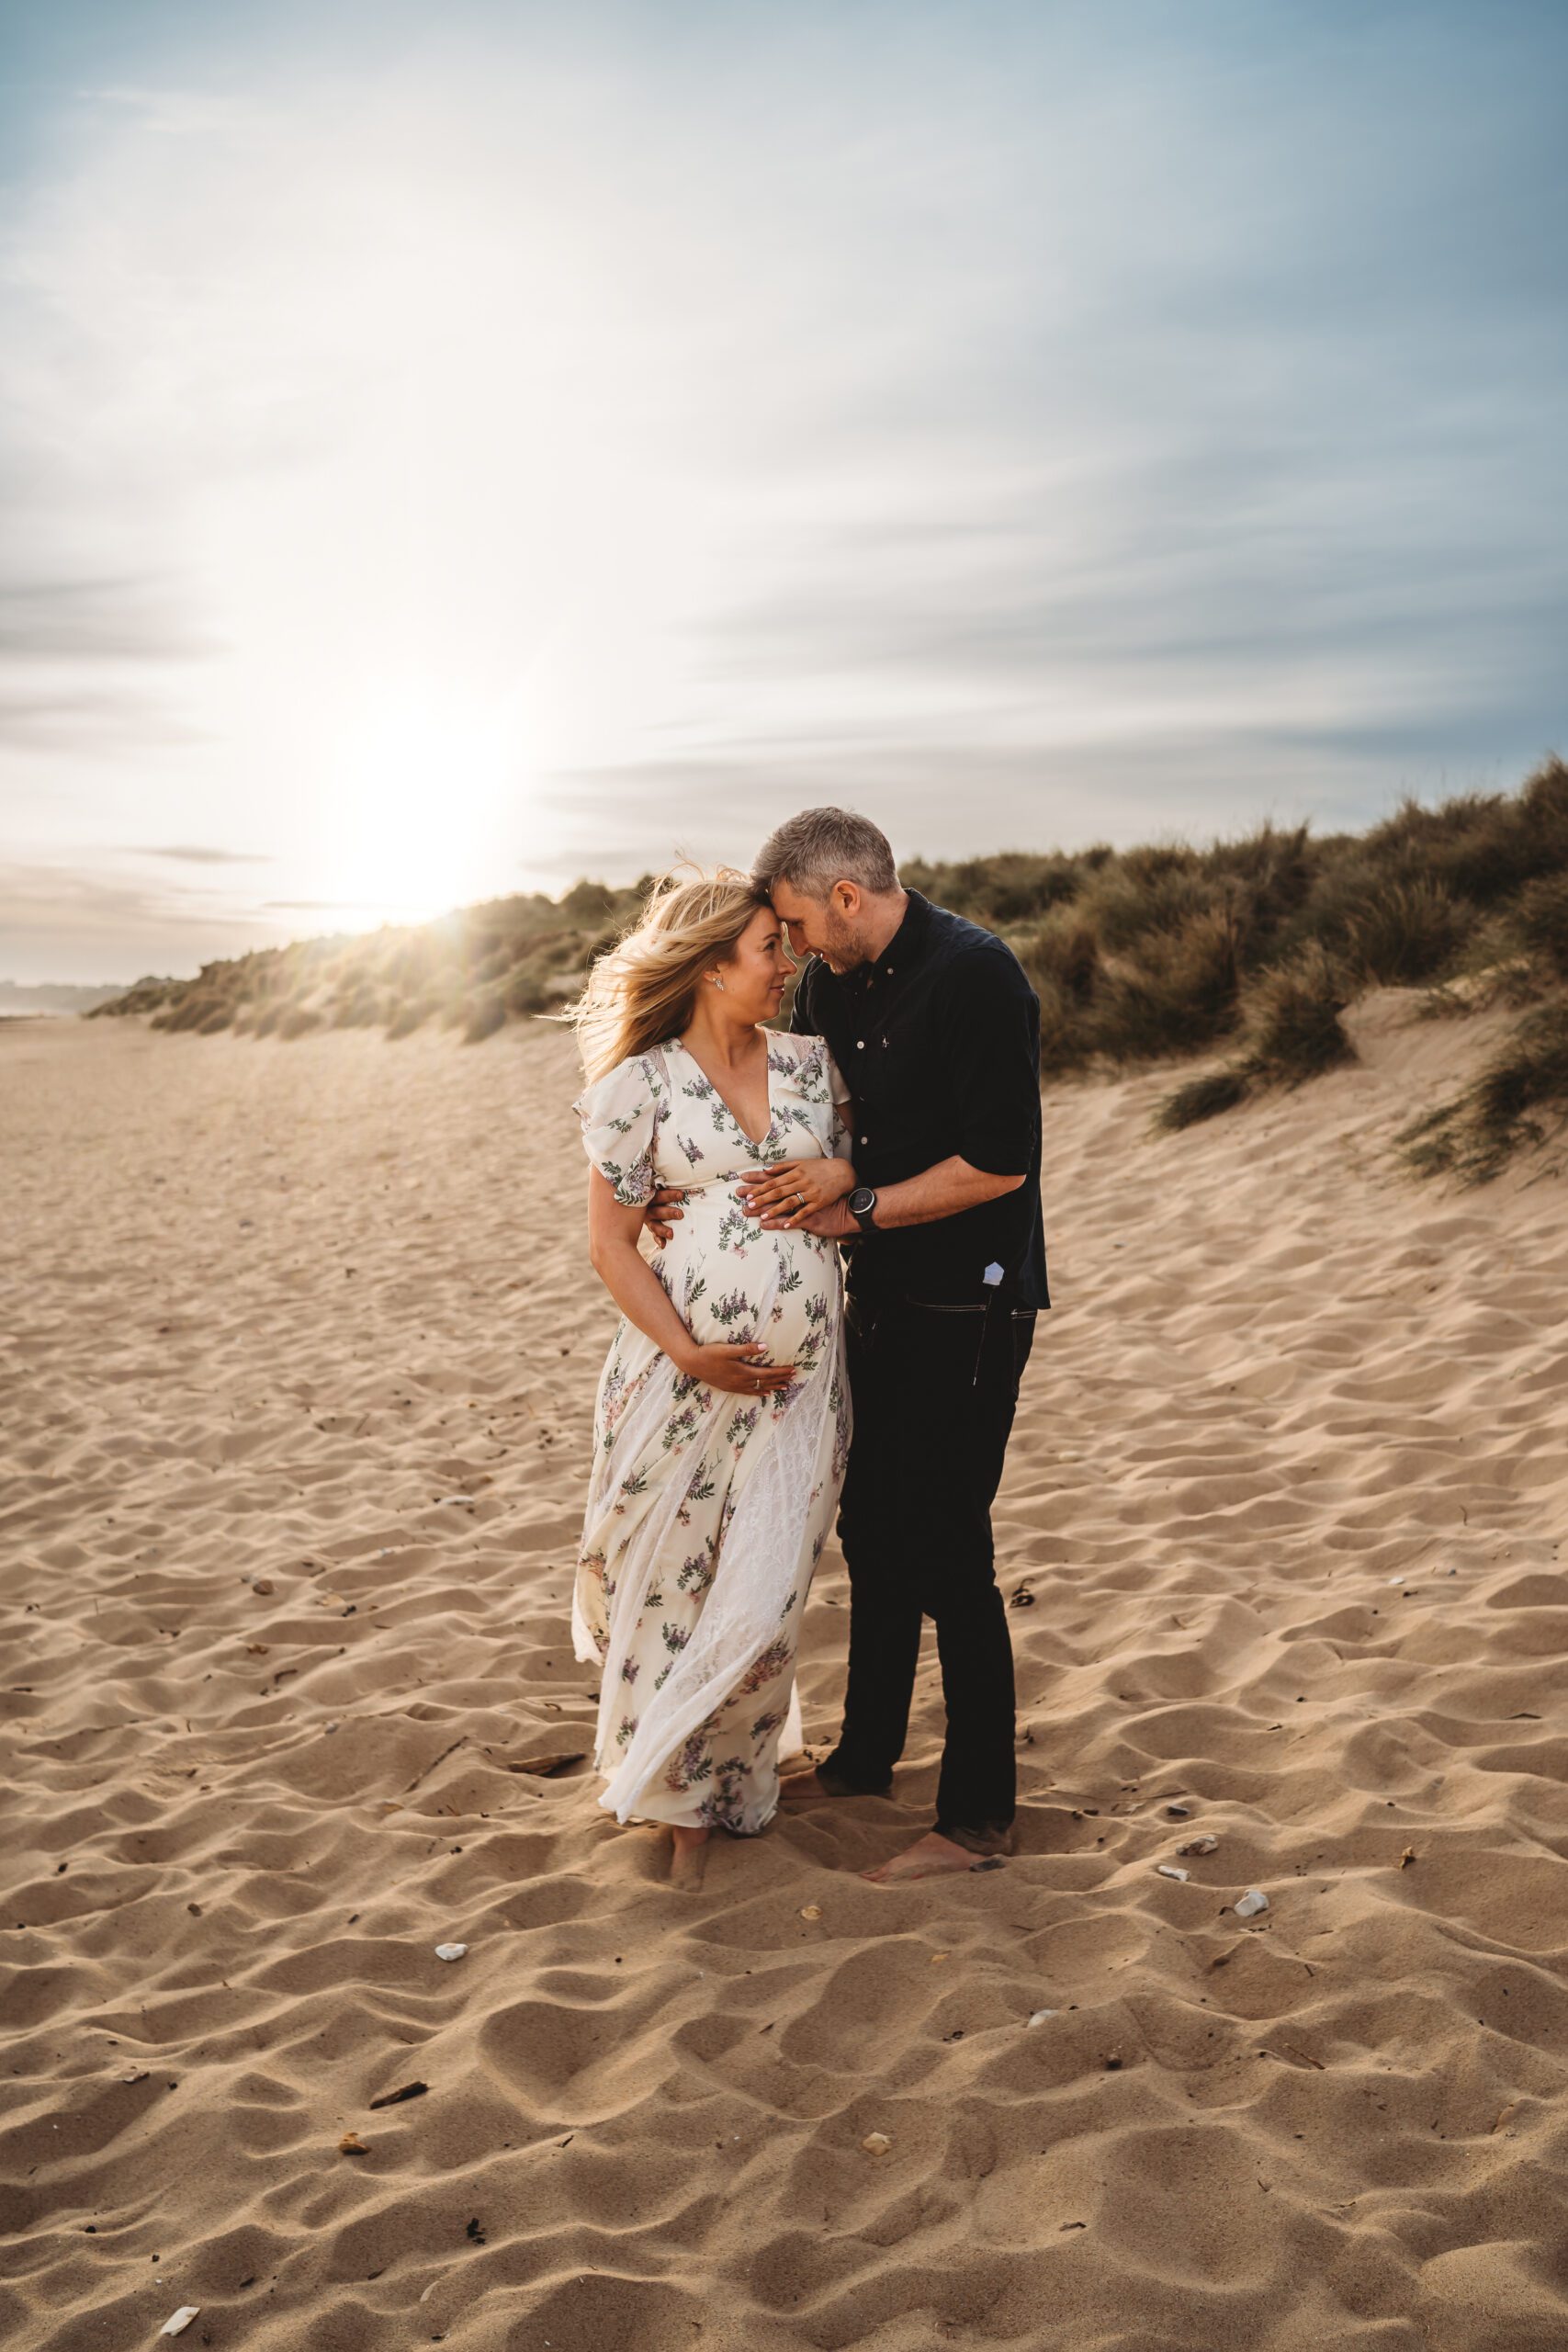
x: 825, y: 927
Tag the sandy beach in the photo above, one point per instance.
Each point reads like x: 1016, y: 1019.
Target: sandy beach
x: 298, y: 1351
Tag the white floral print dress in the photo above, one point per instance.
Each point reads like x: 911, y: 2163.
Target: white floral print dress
x: 707, y: 1509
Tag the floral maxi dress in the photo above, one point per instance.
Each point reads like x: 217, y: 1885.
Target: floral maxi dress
x: 707, y: 1509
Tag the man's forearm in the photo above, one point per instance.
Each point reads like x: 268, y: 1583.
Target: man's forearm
x: 945, y: 1190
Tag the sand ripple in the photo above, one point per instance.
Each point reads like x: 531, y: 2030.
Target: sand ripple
x: 299, y: 1352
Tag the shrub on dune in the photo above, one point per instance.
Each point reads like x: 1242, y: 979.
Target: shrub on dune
x: 1146, y: 892
x: 1063, y: 1040
x: 526, y: 992
x: 1178, y: 993
x: 1011, y: 887
x: 1294, y: 1032
x: 186, y: 1012
x: 1061, y: 957
x: 1404, y: 932
x: 1476, y: 1135
x: 1473, y: 846
x: 1293, y: 1017
x: 1541, y: 921
x: 486, y: 1016
x: 358, y: 1010
x: 1528, y: 1072
x: 1274, y: 867
x: 1542, y: 806
x: 1136, y: 954
x: 1204, y: 1097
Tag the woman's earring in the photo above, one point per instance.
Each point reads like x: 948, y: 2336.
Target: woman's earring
x: 717, y: 979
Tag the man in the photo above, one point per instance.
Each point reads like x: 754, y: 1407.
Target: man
x: 937, y: 1032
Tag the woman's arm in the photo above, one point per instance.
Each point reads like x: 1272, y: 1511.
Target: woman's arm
x: 613, y: 1231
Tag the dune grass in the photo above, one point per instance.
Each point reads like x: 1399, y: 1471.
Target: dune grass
x: 1255, y: 947
x: 471, y: 971
x: 1517, y: 1100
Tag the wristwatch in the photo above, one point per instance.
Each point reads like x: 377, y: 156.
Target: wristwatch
x: 863, y: 1207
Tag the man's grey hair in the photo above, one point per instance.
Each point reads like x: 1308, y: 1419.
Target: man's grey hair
x: 822, y: 846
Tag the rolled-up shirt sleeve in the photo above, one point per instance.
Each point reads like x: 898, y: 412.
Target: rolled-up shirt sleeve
x: 989, y: 1044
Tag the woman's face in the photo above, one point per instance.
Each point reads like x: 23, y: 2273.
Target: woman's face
x: 757, y: 973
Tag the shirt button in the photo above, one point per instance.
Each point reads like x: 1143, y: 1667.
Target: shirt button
x: 860, y: 1045
x: 865, y: 1138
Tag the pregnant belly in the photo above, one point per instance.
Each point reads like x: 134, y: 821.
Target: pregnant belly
x: 731, y: 1281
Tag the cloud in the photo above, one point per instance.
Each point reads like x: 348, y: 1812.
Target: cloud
x: 127, y: 619
x: 92, y: 719
x: 200, y: 856
x: 328, y: 906
x: 925, y: 795
x: 67, y: 922
x: 1083, y: 427
x: 79, y: 664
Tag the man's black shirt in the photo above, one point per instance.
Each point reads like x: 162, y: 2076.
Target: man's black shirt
x: 939, y: 1042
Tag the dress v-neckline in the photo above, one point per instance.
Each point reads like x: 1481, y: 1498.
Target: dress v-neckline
x: 756, y: 1143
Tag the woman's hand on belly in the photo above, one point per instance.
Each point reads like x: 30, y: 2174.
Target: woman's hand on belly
x: 741, y: 1367
x: 793, y: 1189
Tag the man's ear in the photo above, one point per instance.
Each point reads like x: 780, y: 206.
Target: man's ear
x: 846, y: 898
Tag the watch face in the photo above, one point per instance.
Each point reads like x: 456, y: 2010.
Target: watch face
x: 862, y: 1199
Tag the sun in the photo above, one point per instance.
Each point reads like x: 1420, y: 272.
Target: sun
x: 419, y: 800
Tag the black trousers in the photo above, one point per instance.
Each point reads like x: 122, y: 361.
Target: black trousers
x: 934, y: 1390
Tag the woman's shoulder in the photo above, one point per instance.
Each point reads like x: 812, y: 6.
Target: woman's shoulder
x: 787, y: 1048
x: 800, y: 1058
x: 630, y: 1085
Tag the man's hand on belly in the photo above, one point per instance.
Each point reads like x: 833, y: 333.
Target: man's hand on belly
x: 793, y: 1195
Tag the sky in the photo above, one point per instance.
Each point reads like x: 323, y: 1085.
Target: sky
x: 444, y: 452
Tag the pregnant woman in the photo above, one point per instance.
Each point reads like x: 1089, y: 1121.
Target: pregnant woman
x: 722, y: 1422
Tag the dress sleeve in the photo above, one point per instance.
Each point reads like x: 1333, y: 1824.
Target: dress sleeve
x: 621, y: 1114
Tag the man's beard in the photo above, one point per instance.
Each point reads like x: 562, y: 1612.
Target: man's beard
x: 845, y: 951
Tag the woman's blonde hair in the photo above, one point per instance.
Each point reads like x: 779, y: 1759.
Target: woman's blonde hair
x: 643, y: 990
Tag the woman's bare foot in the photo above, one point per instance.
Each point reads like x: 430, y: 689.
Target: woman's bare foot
x: 689, y: 1859
x: 927, y: 1857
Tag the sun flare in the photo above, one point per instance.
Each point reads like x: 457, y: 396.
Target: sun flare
x: 417, y: 804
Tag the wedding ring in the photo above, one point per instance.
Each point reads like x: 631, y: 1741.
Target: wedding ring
x: 801, y: 1198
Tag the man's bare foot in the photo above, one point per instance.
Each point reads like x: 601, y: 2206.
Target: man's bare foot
x: 689, y: 1859
x: 927, y: 1857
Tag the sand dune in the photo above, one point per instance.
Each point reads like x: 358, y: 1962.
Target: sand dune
x: 298, y: 1360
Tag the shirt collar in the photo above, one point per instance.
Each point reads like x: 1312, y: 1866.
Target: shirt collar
x: 905, y: 946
